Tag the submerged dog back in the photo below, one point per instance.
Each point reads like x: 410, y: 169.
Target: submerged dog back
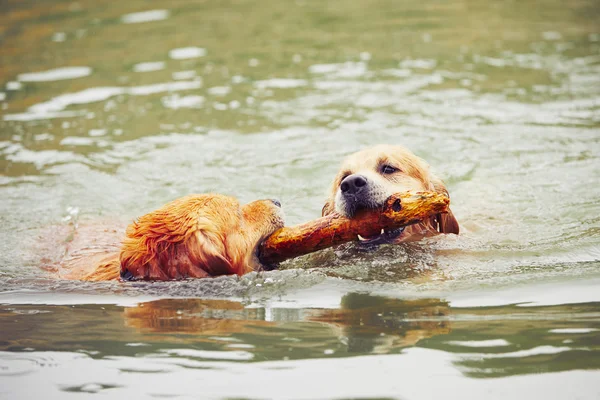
x: 195, y: 236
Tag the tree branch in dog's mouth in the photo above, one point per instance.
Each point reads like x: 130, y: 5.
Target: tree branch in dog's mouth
x: 384, y: 223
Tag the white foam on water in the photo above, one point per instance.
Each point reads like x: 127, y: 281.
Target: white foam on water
x: 219, y: 90
x: 163, y: 87
x: 184, y: 53
x: 97, y: 132
x: 57, y: 74
x: 77, y: 141
x: 145, y: 16
x: 342, y: 70
x: 59, y: 37
x: 85, y: 96
x: 28, y: 116
x: 551, y: 35
x: 53, y: 107
x: 323, y: 68
x: 149, y: 66
x: 44, y: 157
x: 215, y: 355
x: 175, y: 101
x: 279, y: 83
x: 13, y: 85
x: 418, y: 63
x: 573, y: 330
x: 480, y: 343
x: 43, y: 136
x: 182, y: 75
x: 536, y: 351
x: 397, y: 72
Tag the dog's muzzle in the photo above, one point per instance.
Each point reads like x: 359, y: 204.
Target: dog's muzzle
x: 357, y: 192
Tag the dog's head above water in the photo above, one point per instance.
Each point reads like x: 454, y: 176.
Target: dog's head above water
x: 367, y: 178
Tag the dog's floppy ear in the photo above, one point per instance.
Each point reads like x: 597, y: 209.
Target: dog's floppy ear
x: 208, y: 255
x: 328, y: 208
x: 446, y: 223
x: 200, y: 255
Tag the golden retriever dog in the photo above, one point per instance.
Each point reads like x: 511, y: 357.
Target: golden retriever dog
x: 196, y: 236
x: 367, y: 178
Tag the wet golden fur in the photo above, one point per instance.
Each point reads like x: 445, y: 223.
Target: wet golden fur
x: 413, y: 175
x: 195, y: 236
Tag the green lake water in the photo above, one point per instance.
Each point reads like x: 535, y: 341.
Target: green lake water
x: 108, y: 110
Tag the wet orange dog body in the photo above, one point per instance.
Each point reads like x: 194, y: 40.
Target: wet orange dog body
x: 196, y: 236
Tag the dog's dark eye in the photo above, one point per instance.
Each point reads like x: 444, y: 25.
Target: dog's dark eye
x: 388, y: 169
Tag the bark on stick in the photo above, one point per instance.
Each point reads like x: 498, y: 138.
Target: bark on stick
x: 399, y: 210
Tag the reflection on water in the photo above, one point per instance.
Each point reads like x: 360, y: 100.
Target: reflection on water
x: 109, y: 111
x: 206, y: 335
x: 484, y: 339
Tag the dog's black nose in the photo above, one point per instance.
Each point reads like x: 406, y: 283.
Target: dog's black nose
x: 353, y: 183
x: 276, y: 202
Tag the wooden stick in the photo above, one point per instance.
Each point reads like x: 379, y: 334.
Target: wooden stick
x: 400, y: 210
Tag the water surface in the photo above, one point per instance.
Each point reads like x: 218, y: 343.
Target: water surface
x: 109, y: 110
